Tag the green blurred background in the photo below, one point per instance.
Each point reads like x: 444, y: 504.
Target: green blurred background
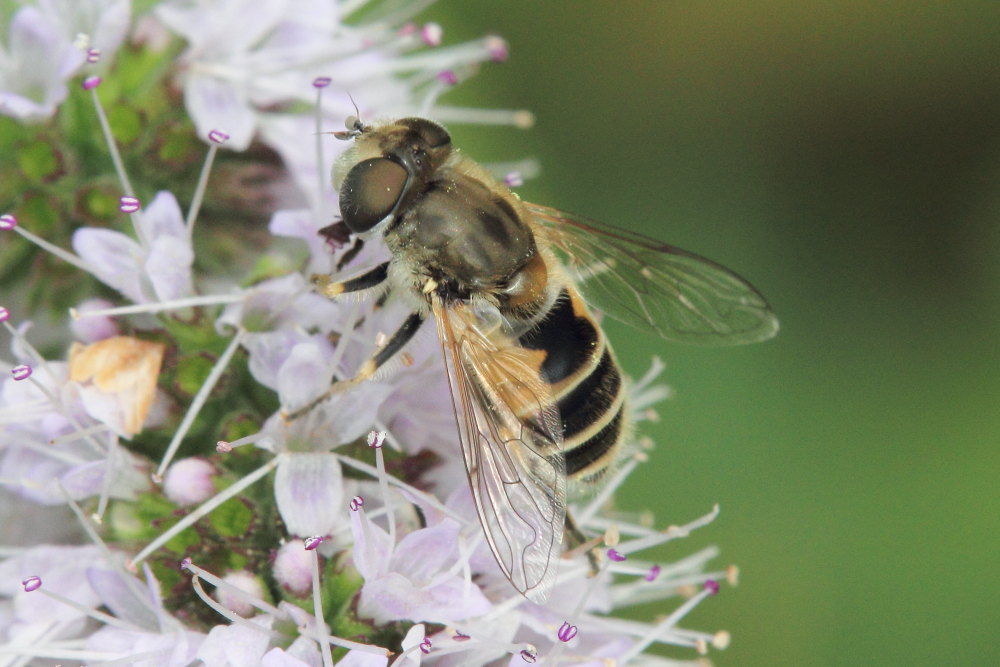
x: 845, y: 157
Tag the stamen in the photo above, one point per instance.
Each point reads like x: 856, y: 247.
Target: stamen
x: 375, y: 440
x: 175, y: 304
x: 217, y: 138
x: 91, y: 84
x: 357, y: 502
x: 22, y: 372
x: 129, y: 204
x: 423, y: 495
x: 431, y: 34
x: 137, y: 591
x: 93, y: 55
x: 319, y: 84
x: 513, y: 179
x: 9, y: 222
x: 519, y: 118
x: 566, y: 632
x: 31, y: 584
x: 663, y: 627
x: 311, y: 544
x: 109, y: 474
x: 231, y: 616
x: 234, y: 591
x: 448, y: 77
x: 203, y: 510
x: 199, y: 401
x: 497, y: 47
x: 425, y: 646
x: 670, y: 533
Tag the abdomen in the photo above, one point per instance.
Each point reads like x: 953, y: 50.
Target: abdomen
x: 586, y: 383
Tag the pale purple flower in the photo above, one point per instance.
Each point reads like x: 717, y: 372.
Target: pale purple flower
x: 415, y: 579
x: 157, y: 268
x: 43, y: 50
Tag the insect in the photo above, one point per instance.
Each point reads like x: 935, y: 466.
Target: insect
x: 538, y: 396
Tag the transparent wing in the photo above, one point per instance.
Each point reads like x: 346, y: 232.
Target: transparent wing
x: 657, y: 287
x: 512, y: 445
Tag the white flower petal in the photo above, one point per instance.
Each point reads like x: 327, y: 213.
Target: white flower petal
x: 309, y: 491
x: 115, y: 257
x: 215, y: 104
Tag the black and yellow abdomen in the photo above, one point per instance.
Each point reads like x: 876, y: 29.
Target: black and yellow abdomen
x: 586, y: 383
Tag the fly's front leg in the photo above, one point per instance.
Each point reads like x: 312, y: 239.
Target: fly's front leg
x: 366, y: 280
x: 391, y: 348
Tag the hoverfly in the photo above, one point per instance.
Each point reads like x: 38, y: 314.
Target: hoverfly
x: 538, y: 396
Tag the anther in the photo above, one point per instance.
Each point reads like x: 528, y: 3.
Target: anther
x: 313, y: 542
x: 497, y: 48
x: 712, y: 586
x: 375, y: 439
x: 425, y: 646
x: 91, y: 82
x: 128, y: 204
x: 431, y: 34
x: 22, y: 372
x: 321, y: 82
x: 31, y: 584
x: 218, y: 137
x: 448, y: 76
x: 566, y: 632
x: 7, y: 222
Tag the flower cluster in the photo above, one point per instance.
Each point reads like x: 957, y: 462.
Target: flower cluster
x: 160, y: 506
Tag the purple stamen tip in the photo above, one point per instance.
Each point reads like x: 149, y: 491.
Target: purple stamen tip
x: 448, y: 76
x: 615, y: 556
x: 313, y: 542
x: 186, y: 563
x: 431, y: 34
x: 91, y: 82
x: 218, y: 137
x: 129, y: 204
x: 376, y: 438
x: 321, y: 82
x: 223, y: 447
x: 22, y: 372
x: 712, y: 586
x: 461, y: 637
x: 513, y: 179
x: 425, y: 646
x: 653, y: 573
x: 357, y: 502
x: 528, y: 656
x: 7, y: 221
x: 497, y: 48
x: 93, y: 55
x: 4, y: 314
x: 566, y: 632
x: 31, y: 584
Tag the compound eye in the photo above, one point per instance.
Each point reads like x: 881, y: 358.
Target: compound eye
x: 432, y: 134
x: 370, y: 192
